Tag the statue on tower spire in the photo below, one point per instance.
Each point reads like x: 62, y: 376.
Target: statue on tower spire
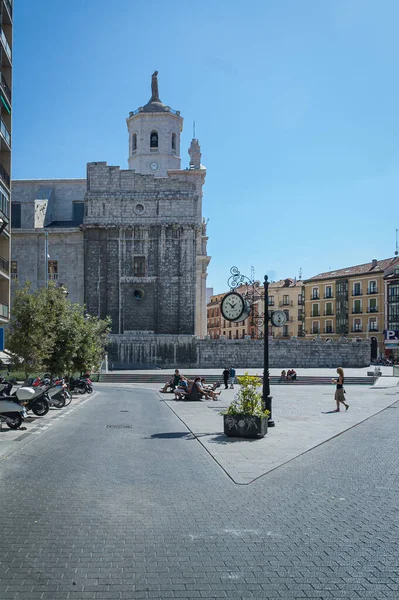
x: 154, y: 87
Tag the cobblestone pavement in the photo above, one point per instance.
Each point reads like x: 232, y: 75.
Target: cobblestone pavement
x: 127, y: 505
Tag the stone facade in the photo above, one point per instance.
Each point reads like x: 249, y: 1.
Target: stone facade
x: 141, y: 238
x: 131, y: 244
x: 187, y: 352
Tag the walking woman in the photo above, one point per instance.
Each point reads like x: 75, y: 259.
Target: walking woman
x: 339, y: 392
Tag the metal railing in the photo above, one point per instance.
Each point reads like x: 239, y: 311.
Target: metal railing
x: 357, y: 293
x: 372, y: 290
x: 4, y: 310
x: 5, y: 133
x: 4, y: 264
x: 5, y: 86
x: 373, y: 309
x: 5, y: 43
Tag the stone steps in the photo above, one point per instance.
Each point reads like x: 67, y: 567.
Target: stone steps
x: 274, y: 379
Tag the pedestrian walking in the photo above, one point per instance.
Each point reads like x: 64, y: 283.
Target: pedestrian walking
x: 340, y: 391
x: 232, y: 377
x: 226, y: 375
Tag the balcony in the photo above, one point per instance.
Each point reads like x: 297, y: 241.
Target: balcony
x: 357, y: 328
x: 4, y: 176
x: 5, y: 43
x: 373, y: 328
x: 5, y: 86
x: 315, y: 297
x: 300, y: 302
x: 328, y: 330
x: 315, y: 314
x: 372, y: 309
x: 4, y: 265
x: 286, y: 303
x: 372, y: 291
x: 9, y: 7
x: 328, y: 314
x: 357, y: 293
x: 4, y: 310
x: 315, y: 330
x: 5, y: 133
x: 328, y: 296
x: 53, y: 276
x: 357, y: 311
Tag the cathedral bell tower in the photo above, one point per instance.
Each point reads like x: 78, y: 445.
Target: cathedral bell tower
x: 154, y: 136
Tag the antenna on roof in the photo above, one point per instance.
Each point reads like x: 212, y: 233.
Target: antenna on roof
x: 300, y: 273
x: 252, y: 273
x: 397, y: 250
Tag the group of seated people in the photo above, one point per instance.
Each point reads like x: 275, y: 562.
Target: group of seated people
x: 183, y: 387
x: 290, y: 375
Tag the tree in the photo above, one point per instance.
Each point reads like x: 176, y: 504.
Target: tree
x: 91, y: 347
x: 48, y: 332
x: 25, y: 337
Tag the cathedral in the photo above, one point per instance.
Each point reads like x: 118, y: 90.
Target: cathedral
x: 131, y: 243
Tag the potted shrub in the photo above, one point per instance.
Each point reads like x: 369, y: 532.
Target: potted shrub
x: 246, y: 416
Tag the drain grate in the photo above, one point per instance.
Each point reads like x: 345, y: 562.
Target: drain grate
x: 119, y: 427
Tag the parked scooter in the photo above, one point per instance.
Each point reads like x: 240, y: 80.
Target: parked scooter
x: 36, y: 401
x: 79, y: 386
x: 12, y: 411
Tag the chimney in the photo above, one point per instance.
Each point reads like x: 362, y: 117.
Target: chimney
x: 373, y: 263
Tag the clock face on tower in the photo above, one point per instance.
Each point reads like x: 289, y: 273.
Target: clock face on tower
x: 233, y: 306
x: 154, y: 166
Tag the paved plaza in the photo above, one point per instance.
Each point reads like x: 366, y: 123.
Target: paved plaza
x: 119, y: 500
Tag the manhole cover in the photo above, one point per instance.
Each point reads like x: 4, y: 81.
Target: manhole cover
x: 119, y: 426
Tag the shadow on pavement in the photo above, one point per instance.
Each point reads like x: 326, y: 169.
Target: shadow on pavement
x: 224, y: 439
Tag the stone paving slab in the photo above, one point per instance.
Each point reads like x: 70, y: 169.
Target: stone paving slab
x: 303, y: 420
x: 33, y: 426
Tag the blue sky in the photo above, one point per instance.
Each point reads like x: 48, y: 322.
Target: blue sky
x: 295, y: 104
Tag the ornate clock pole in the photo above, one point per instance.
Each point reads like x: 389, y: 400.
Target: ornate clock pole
x: 237, y: 307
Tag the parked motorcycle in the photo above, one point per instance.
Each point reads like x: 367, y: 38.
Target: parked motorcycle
x: 38, y: 402
x: 79, y: 386
x: 12, y: 410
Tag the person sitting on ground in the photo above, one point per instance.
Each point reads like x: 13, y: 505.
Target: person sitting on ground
x: 289, y: 375
x: 283, y: 376
x: 172, y: 383
x: 293, y: 375
x: 182, y: 390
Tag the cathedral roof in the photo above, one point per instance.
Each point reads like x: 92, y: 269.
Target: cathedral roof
x: 155, y: 106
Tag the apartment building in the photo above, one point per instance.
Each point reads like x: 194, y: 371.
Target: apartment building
x: 5, y: 154
x: 287, y: 295
x: 349, y: 302
x: 391, y: 280
x: 217, y: 325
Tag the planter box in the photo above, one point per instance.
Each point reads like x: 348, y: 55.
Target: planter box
x: 245, y: 426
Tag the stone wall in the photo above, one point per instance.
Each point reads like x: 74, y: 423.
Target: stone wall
x: 149, y: 350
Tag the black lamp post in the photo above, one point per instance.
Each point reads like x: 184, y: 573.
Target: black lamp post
x: 267, y: 398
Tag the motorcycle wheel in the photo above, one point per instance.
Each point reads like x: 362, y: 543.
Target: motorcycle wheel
x: 14, y: 421
x: 59, y: 402
x: 68, y: 398
x: 89, y: 389
x: 81, y: 390
x: 40, y: 407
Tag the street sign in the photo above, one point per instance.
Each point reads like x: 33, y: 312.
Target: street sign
x: 1, y: 339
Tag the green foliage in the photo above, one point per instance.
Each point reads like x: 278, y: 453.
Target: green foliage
x: 249, y: 400
x: 49, y: 333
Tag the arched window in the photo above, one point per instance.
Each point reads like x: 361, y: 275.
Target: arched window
x: 173, y: 141
x: 134, y: 142
x: 154, y: 139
